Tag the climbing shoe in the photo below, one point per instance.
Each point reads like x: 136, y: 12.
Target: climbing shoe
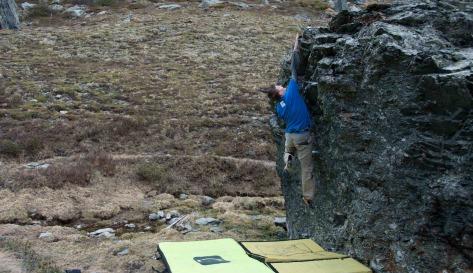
x: 288, y: 165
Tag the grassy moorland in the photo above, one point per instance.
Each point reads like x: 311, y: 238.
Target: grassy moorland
x: 126, y: 110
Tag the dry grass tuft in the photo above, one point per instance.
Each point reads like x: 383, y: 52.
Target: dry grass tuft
x: 313, y: 4
x: 76, y: 172
x: 32, y: 262
x: 9, y: 148
x: 40, y: 10
x: 209, y: 175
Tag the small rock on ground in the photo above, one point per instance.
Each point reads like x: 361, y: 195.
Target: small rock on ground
x: 207, y: 221
x: 170, y: 6
x: 207, y: 200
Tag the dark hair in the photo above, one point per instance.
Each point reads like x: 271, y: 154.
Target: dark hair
x: 271, y: 91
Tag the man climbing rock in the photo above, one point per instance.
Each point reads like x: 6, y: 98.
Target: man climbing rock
x: 292, y: 109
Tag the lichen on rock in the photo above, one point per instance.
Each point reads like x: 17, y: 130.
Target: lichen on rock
x: 391, y: 93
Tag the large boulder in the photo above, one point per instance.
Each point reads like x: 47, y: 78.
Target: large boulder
x: 9, y: 15
x: 390, y: 89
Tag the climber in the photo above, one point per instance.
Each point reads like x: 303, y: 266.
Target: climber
x: 293, y: 110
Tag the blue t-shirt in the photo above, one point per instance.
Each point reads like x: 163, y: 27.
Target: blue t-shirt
x: 293, y: 110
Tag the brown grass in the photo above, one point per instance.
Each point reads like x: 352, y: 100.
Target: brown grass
x: 78, y: 171
x: 209, y: 175
x: 313, y: 4
x: 31, y: 261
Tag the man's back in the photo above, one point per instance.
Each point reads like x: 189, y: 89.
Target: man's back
x: 293, y: 110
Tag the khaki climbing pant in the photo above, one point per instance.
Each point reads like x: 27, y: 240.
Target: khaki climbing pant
x: 302, y: 144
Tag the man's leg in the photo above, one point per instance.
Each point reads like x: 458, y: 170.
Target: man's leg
x: 304, y: 153
x: 289, y: 150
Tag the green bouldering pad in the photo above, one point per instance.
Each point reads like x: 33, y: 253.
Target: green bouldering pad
x: 211, y: 256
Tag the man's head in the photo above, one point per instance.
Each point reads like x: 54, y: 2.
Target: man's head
x: 274, y: 92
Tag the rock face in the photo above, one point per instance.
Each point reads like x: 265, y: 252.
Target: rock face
x: 391, y: 93
x: 8, y: 15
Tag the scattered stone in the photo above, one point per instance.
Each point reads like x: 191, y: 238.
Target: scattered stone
x: 207, y: 200
x: 102, y: 12
x: 131, y: 226
x: 63, y: 112
x: 172, y: 221
x: 183, y: 196
x: 256, y: 217
x: 123, y: 252
x: 128, y: 18
x: 27, y: 6
x: 56, y: 2
x: 170, y: 6
x: 45, y: 235
x: 241, y: 5
x: 216, y: 229
x: 207, y: 221
x: 79, y: 226
x: 76, y: 11
x: 172, y: 214
x: 147, y: 228
x: 104, y: 232
x: 184, y: 228
x: 280, y: 221
x: 154, y: 216
x: 152, y: 193
x: 205, y: 4
x: 56, y: 8
x: 37, y: 165
x: 72, y: 271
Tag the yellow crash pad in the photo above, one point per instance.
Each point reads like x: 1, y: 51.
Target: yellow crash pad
x: 347, y: 265
x: 288, y: 251
x: 211, y: 256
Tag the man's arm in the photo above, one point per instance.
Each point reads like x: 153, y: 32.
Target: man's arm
x: 295, y: 59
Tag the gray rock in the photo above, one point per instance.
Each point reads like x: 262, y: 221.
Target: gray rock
x: 392, y: 105
x: 256, y: 217
x: 76, y: 11
x: 184, y: 228
x: 9, y: 18
x: 172, y: 214
x: 37, y: 165
x: 56, y: 8
x: 216, y: 229
x: 207, y: 200
x: 45, y: 235
x: 241, y: 5
x: 56, y: 2
x: 170, y: 6
x: 207, y: 221
x: 156, y: 216
x: 27, y: 6
x: 123, y: 252
x: 104, y: 232
x: 130, y: 226
x: 210, y: 3
x: 183, y: 196
x: 280, y: 221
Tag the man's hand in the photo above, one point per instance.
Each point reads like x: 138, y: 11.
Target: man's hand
x: 296, y: 43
